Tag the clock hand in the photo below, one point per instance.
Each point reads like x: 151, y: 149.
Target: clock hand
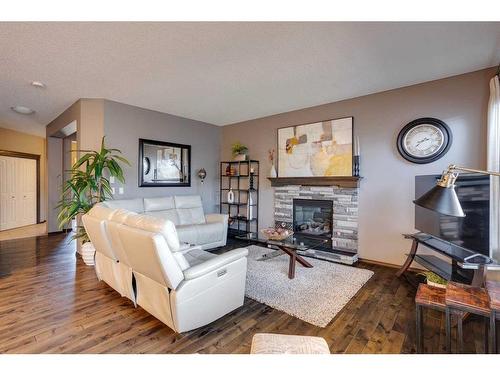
x: 423, y: 140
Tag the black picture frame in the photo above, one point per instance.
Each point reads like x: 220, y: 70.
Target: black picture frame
x: 143, y: 183
x: 441, y: 125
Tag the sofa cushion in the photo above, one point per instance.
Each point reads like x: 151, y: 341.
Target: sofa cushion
x: 156, y: 225
x: 165, y: 214
x: 159, y: 204
x: 134, y: 205
x: 190, y: 209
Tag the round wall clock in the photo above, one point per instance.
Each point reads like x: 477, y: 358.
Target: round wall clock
x: 424, y: 140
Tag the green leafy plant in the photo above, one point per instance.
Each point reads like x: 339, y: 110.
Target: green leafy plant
x: 239, y: 149
x: 88, y: 184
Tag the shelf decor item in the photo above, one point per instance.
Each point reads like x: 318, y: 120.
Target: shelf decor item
x: 276, y: 234
x: 319, y: 149
x: 356, y: 156
x: 230, y: 196
x: 240, y: 151
x: 272, y: 172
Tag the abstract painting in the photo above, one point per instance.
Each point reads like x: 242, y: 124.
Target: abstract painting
x: 316, y: 150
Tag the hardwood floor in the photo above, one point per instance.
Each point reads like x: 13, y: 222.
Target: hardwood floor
x: 23, y: 232
x: 51, y: 302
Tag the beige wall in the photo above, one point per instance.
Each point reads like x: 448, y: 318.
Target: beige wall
x: 387, y: 190
x: 11, y: 140
x: 89, y: 117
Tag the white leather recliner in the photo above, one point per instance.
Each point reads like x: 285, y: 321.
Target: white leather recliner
x: 183, y: 286
x: 111, y: 265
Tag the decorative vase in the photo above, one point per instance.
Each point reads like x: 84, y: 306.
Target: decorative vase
x: 272, y: 172
x: 230, y: 196
x: 240, y: 157
x: 88, y: 252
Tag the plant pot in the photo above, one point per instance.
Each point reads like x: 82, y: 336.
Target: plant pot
x: 437, y: 285
x: 240, y: 157
x: 88, y: 252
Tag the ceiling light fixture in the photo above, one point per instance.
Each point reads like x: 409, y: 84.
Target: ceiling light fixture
x: 38, y: 84
x: 22, y: 110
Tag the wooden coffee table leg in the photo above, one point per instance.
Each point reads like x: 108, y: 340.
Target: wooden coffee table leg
x: 291, y: 267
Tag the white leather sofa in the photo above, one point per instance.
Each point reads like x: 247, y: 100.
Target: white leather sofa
x: 186, y: 212
x: 183, y: 286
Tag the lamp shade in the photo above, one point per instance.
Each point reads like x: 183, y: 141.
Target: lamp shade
x: 443, y: 200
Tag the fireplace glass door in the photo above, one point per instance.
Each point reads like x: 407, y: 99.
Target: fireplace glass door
x: 312, y: 217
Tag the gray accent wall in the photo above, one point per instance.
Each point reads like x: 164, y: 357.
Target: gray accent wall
x: 125, y: 124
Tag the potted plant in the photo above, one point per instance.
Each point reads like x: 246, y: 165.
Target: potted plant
x: 87, y: 185
x: 434, y: 279
x: 240, y: 151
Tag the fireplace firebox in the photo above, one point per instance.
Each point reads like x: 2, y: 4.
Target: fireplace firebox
x: 313, y: 218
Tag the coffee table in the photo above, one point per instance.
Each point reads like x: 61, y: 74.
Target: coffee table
x: 289, y: 246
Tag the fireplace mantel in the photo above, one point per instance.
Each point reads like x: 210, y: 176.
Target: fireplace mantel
x: 343, y: 182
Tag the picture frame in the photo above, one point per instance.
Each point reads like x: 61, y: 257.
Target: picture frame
x: 164, y: 164
x: 317, y: 149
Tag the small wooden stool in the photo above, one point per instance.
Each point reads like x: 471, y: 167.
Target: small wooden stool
x: 430, y: 297
x: 493, y: 288
x: 461, y: 298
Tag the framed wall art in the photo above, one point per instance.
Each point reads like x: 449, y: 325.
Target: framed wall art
x: 317, y: 149
x: 164, y: 164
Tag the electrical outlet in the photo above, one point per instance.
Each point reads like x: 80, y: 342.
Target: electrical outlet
x: 111, y: 179
x: 120, y: 190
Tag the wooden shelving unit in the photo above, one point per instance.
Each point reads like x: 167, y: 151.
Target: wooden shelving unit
x: 236, y: 176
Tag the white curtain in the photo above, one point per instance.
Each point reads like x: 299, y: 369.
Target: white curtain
x: 494, y: 165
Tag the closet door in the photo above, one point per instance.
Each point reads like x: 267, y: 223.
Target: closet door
x: 26, y: 192
x: 8, y: 183
x: 17, y: 192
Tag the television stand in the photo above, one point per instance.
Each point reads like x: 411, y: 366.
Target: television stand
x: 458, y: 270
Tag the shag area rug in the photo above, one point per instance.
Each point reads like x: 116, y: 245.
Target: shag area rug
x: 315, y: 295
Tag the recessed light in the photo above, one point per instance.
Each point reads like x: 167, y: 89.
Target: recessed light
x: 22, y: 110
x: 38, y: 84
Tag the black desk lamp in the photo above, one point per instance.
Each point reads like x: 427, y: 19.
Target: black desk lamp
x: 442, y: 198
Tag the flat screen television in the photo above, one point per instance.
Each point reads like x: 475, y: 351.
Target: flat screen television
x: 472, y: 231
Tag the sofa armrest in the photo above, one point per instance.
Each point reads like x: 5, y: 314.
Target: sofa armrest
x: 214, y: 263
x: 217, y: 218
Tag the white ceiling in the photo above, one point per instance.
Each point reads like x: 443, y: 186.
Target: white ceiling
x: 223, y: 73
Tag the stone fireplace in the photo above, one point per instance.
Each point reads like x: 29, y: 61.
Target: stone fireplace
x: 344, y: 213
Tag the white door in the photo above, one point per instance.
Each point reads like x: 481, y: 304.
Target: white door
x: 17, y: 192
